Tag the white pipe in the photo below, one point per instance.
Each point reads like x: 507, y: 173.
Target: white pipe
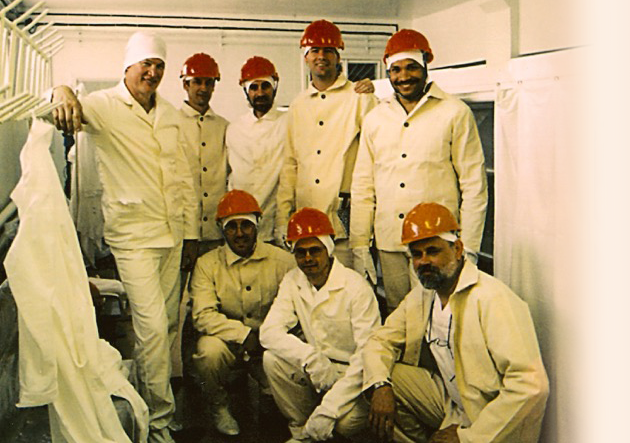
x: 31, y: 103
x: 36, y: 20
x: 40, y: 31
x: 55, y: 50
x: 30, y: 10
x: 10, y: 6
x: 12, y: 102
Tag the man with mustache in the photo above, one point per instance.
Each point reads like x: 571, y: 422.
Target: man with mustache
x: 232, y: 289
x: 203, y: 132
x: 313, y: 334
x: 256, y: 140
x: 458, y: 360
x: 151, y: 213
x: 421, y: 144
x: 324, y: 123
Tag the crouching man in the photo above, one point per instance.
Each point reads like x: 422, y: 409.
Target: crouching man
x: 458, y: 360
x: 233, y: 288
x: 314, y: 333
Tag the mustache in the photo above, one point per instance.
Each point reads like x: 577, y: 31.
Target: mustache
x: 427, y: 268
x: 411, y: 81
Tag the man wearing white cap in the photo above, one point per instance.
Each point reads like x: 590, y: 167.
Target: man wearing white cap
x: 324, y: 123
x: 151, y: 213
x: 420, y: 144
x: 255, y: 142
x: 314, y: 333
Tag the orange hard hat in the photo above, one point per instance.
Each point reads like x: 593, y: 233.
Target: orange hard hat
x: 257, y: 67
x: 200, y: 65
x: 427, y: 220
x: 237, y: 202
x: 308, y: 222
x: 407, y: 40
x: 322, y: 34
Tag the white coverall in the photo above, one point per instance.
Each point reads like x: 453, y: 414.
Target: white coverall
x: 62, y: 361
x: 149, y: 207
x: 336, y: 321
x: 322, y: 143
x: 432, y: 154
x: 204, y: 143
x: 231, y: 296
x: 498, y: 369
x: 254, y: 148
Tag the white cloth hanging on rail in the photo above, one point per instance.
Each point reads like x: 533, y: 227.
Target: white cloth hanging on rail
x: 63, y: 363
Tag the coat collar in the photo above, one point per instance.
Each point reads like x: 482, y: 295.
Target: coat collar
x: 339, y: 83
x: 125, y: 96
x: 335, y: 279
x: 189, y: 111
x: 231, y: 257
x: 434, y: 92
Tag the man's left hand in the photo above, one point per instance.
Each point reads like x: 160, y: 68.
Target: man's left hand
x: 446, y: 435
x: 364, y: 86
x: 189, y: 255
x: 319, y: 427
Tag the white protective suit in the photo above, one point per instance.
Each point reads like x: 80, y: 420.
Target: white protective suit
x: 63, y: 363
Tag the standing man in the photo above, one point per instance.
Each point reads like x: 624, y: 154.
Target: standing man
x: 315, y: 374
x: 149, y: 207
x: 324, y: 123
x: 255, y: 142
x: 203, y: 132
x: 232, y: 290
x: 458, y: 360
x: 421, y: 144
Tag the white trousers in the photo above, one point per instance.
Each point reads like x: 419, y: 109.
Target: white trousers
x: 296, y: 398
x: 151, y: 279
x: 398, y: 277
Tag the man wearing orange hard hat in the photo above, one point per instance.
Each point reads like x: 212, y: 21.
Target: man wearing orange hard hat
x: 324, y: 123
x: 232, y: 289
x: 420, y: 144
x: 458, y: 360
x: 255, y: 141
x: 204, y: 133
x: 315, y: 375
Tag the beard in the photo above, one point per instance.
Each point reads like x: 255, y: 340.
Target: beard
x: 262, y: 104
x: 415, y: 94
x: 434, y: 278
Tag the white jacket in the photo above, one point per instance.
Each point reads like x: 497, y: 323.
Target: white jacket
x: 432, y: 154
x: 337, y: 326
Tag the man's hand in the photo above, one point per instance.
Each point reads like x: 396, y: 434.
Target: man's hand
x: 382, y: 413
x: 189, y: 255
x: 364, y: 86
x: 69, y: 115
x: 251, y: 345
x: 319, y: 427
x: 446, y: 435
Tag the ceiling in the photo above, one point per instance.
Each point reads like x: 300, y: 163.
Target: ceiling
x: 359, y: 9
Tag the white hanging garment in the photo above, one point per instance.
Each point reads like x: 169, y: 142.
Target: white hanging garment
x: 62, y: 361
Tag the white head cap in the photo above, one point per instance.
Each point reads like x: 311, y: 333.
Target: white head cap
x: 143, y: 45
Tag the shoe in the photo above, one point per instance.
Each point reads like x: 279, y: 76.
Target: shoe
x: 224, y: 422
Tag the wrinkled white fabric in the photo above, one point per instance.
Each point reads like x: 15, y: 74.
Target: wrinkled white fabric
x: 363, y: 263
x: 62, y: 360
x: 321, y: 370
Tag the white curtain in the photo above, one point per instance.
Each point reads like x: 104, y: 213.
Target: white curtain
x: 530, y: 185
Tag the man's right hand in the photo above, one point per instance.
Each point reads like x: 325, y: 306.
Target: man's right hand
x: 382, y: 413
x: 68, y: 116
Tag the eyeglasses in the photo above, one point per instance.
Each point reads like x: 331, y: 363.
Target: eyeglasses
x: 246, y: 227
x: 437, y: 341
x: 315, y: 251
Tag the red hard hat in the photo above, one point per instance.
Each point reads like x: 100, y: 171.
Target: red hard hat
x: 257, y: 67
x: 237, y: 202
x: 308, y: 222
x: 322, y: 34
x: 200, y: 65
x: 407, y: 40
x: 427, y: 220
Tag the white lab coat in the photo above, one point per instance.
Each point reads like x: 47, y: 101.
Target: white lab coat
x: 62, y: 360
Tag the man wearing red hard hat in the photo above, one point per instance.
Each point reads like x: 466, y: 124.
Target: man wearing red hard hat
x: 204, y: 133
x: 420, y: 144
x: 324, y: 123
x: 232, y: 289
x: 458, y: 360
x: 315, y: 375
x: 255, y: 141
